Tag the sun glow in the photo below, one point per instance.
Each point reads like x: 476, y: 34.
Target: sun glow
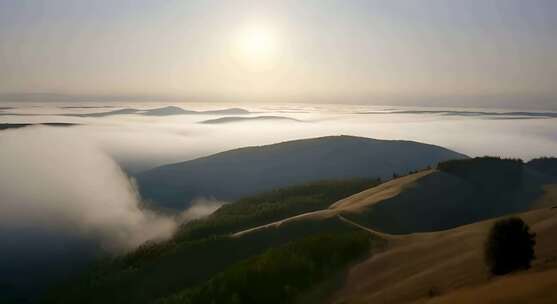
x: 258, y: 47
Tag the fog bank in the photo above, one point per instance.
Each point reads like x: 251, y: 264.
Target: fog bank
x: 56, y: 180
x: 200, y: 208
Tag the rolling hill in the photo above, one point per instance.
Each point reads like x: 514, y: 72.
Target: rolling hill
x: 448, y: 267
x: 261, y: 249
x: 458, y: 193
x: 202, y: 248
x: 164, y: 111
x: 233, y: 174
x: 235, y: 119
x: 7, y: 126
x: 443, y: 266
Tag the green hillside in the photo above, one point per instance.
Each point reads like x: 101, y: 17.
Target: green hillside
x: 460, y: 192
x: 202, y: 248
x: 274, y: 205
x: 282, y: 274
x: 310, y: 239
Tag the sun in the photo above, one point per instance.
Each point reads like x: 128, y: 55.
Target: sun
x: 257, y: 42
x: 257, y: 47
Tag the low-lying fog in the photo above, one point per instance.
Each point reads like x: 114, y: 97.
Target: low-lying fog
x: 69, y: 182
x: 138, y: 141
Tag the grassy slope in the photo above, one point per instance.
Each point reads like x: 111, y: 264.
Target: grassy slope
x: 531, y: 287
x: 549, y: 197
x: 433, y: 200
x: 404, y: 273
x: 203, y: 248
x: 470, y: 191
x: 272, y: 206
x: 416, y: 267
x: 354, y: 203
x: 420, y: 265
x: 281, y: 274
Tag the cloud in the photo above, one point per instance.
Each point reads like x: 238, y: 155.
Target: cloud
x: 200, y: 207
x: 139, y: 142
x: 57, y: 180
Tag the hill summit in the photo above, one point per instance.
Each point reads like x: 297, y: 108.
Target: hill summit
x: 236, y: 173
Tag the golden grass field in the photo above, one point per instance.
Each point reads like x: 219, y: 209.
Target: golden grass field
x: 352, y: 203
x: 448, y: 267
x: 444, y: 266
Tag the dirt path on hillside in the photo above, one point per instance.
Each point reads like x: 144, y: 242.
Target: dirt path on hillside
x: 421, y: 267
x: 353, y: 203
x: 373, y: 232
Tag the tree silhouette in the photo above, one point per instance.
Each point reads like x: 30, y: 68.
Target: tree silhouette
x: 510, y: 246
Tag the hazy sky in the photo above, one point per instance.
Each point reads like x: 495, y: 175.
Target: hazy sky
x: 442, y: 52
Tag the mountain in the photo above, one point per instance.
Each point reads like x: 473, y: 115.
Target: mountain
x: 317, y: 240
x: 172, y: 110
x: 229, y: 111
x: 241, y: 172
x: 487, y: 115
x: 125, y: 111
x: 164, y: 111
x: 459, y: 192
x: 545, y: 165
x: 233, y: 119
x: 167, y: 111
x: 6, y: 126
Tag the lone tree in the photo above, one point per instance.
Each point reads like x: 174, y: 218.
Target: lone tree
x: 510, y: 246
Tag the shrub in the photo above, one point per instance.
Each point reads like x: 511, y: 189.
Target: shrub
x: 510, y: 246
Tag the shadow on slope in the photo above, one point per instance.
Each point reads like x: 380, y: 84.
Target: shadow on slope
x: 459, y: 193
x: 241, y: 172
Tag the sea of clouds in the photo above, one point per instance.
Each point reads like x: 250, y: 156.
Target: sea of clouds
x: 76, y: 183
x: 77, y: 178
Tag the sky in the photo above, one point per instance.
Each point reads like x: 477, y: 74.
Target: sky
x: 438, y: 52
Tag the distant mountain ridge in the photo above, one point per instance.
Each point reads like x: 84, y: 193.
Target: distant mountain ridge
x: 484, y: 114
x: 233, y: 119
x: 164, y: 111
x: 6, y: 126
x: 236, y: 173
